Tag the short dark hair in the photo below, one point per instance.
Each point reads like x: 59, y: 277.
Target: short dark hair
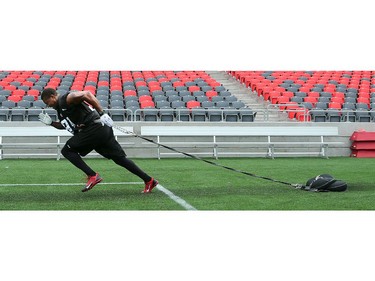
x: 47, y: 92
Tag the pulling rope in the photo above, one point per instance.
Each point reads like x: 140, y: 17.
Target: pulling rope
x: 295, y: 185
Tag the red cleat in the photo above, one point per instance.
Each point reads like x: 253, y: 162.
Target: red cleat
x: 92, y: 181
x: 150, y: 185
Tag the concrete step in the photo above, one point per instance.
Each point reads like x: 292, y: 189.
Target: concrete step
x: 250, y: 98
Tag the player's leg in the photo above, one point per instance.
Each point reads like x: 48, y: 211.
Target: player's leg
x: 75, y: 147
x: 131, y: 167
x: 128, y: 164
x: 111, y: 149
x: 74, y: 158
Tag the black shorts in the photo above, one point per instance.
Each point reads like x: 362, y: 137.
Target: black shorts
x: 96, y: 137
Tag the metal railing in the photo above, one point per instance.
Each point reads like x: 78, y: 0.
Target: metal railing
x: 300, y: 113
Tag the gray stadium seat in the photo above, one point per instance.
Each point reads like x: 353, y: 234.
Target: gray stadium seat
x: 198, y: 114
x: 33, y: 113
x: 171, y: 93
x: 130, y: 98
x: 134, y: 114
x: 159, y: 99
x: 39, y: 103
x: 182, y: 114
x: 177, y: 104
x: 184, y: 93
x: 117, y: 103
x: 318, y: 115
x: 132, y: 103
x: 219, y: 88
x: 51, y: 112
x: 5, y: 93
x: 231, y: 115
x: 103, y: 103
x: 362, y: 115
x: 202, y: 98
x: 166, y: 113
x: 174, y: 98
x: 24, y: 103
x: 333, y: 115
x: 348, y: 112
x: 18, y: 113
x: 117, y: 113
x: 214, y: 114
x: 222, y: 104
x: 2, y: 98
x: 150, y: 114
x: 198, y: 93
x: 168, y: 88
x: 217, y: 98
x: 28, y: 98
x: 238, y: 104
x: 230, y: 99
x: 188, y: 98
x: 4, y: 113
x: 207, y: 104
x: 224, y: 94
x: 247, y: 114
x: 8, y: 104
x: 163, y: 103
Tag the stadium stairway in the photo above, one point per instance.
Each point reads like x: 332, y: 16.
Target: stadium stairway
x: 250, y: 98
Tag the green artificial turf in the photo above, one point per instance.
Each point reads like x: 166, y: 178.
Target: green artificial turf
x: 203, y: 186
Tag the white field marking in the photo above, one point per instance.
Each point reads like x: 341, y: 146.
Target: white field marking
x: 170, y: 194
x: 175, y: 198
x: 62, y: 184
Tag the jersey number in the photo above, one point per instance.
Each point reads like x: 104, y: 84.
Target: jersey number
x: 68, y: 125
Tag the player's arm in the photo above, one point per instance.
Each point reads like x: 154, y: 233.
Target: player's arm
x: 57, y: 125
x: 46, y: 119
x: 84, y: 96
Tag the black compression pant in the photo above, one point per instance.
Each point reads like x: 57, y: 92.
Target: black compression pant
x: 131, y: 167
x: 122, y: 161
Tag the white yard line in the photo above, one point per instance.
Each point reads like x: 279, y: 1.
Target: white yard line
x: 175, y: 198
x: 169, y: 193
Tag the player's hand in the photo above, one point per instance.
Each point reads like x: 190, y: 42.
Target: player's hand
x: 106, y: 120
x: 45, y: 118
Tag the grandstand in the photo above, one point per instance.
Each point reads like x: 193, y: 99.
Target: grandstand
x: 126, y: 95
x: 247, y: 96
x: 342, y: 101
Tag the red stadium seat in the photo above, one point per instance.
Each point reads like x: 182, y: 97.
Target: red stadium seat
x: 15, y: 98
x: 18, y: 93
x: 145, y: 98
x: 335, y: 105
x: 211, y: 94
x: 130, y: 93
x: 103, y: 83
x: 194, y: 88
x: 147, y: 104
x: 193, y: 104
x: 10, y: 87
x: 273, y: 96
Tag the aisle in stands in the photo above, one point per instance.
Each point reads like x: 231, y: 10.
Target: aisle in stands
x: 319, y: 96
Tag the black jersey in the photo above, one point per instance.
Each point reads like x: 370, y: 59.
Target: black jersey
x: 75, y: 116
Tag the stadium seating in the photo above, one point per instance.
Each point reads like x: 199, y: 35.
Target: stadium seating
x: 127, y: 95
x: 336, y: 88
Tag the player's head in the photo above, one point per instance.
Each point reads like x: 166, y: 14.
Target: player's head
x: 49, y: 97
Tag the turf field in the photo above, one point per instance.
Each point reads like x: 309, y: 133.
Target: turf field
x: 186, y: 184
